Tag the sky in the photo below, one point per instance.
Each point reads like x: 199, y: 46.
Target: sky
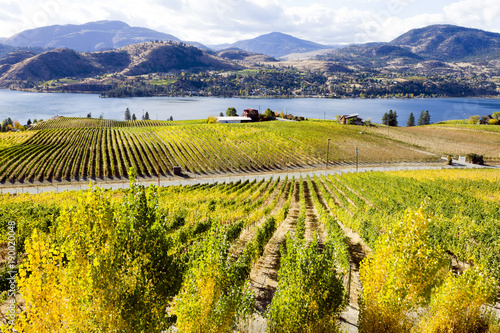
x: 213, y: 22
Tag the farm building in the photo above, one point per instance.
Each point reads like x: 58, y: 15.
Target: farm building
x: 233, y: 120
x: 356, y: 120
x: 251, y: 113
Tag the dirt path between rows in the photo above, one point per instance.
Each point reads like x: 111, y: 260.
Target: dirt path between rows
x: 358, y: 250
x: 312, y: 223
x: 264, y: 274
x: 248, y: 233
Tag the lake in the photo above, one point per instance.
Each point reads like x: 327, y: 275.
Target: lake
x: 22, y: 106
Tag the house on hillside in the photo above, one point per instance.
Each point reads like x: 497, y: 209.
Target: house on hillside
x: 233, y: 120
x: 251, y: 113
x: 351, y: 119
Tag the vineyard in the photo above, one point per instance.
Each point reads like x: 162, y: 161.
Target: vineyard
x: 67, y: 149
x: 293, y: 252
x: 73, y: 122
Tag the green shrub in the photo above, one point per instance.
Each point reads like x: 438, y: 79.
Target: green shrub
x: 213, y: 297
x: 475, y: 159
x: 310, y: 294
x: 28, y: 216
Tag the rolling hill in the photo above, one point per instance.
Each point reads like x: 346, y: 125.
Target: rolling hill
x: 137, y: 59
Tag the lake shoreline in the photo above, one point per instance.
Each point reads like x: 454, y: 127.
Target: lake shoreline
x: 23, y: 105
x: 251, y: 97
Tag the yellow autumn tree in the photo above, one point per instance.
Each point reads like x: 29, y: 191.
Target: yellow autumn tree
x: 399, y: 275
x: 104, y: 268
x: 58, y: 298
x: 458, y: 305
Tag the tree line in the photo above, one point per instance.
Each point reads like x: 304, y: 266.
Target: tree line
x: 391, y: 119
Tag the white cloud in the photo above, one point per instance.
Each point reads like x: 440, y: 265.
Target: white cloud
x: 481, y: 14
x: 219, y: 21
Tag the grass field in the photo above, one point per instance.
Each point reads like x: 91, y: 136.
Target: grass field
x: 447, y: 139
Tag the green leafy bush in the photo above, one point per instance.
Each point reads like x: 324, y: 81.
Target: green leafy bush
x: 310, y: 294
x: 475, y: 159
x: 213, y: 297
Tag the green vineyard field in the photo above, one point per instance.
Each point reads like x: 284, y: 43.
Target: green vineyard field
x: 193, y: 249
x: 84, y: 149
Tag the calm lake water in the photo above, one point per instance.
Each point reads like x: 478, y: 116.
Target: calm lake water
x: 22, y: 106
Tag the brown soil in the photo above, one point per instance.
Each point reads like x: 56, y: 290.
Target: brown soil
x: 443, y: 140
x: 358, y: 250
x: 264, y: 274
x: 313, y: 225
x: 248, y: 233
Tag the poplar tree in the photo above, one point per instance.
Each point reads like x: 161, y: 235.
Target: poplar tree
x: 127, y: 114
x: 411, y: 120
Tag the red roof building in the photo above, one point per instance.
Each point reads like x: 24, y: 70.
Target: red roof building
x: 251, y: 113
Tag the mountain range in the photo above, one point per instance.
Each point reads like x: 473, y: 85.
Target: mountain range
x: 450, y: 43
x: 435, y: 42
x: 54, y: 52
x: 275, y: 44
x: 106, y: 35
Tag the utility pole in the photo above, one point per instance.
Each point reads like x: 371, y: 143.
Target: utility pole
x: 357, y: 153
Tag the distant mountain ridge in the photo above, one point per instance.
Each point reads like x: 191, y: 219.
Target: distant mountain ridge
x: 276, y: 44
x: 432, y: 47
x: 88, y: 37
x: 450, y: 43
x: 435, y: 42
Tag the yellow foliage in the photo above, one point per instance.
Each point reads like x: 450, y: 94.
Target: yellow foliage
x: 399, y: 276
x: 211, y: 120
x: 57, y: 298
x: 212, y: 298
x: 456, y: 306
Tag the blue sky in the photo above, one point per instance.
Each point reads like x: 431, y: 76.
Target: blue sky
x: 219, y: 21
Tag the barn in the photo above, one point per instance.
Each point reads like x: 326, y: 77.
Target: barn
x: 356, y: 120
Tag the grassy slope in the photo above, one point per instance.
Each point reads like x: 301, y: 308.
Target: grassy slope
x: 444, y: 139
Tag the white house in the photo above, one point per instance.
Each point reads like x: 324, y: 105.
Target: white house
x: 233, y: 120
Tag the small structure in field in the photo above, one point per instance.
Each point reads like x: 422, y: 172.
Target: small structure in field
x: 353, y: 119
x: 233, y: 120
x: 251, y: 113
x: 177, y: 170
